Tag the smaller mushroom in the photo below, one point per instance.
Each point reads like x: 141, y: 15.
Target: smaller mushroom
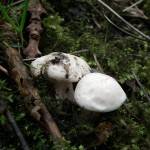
x: 99, y: 92
x: 63, y: 70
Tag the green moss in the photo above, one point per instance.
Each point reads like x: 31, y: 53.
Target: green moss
x: 69, y: 27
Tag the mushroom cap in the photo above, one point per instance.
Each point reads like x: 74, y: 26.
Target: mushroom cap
x: 36, y: 65
x: 66, y: 67
x: 60, y: 66
x: 99, y: 92
x: 62, y: 69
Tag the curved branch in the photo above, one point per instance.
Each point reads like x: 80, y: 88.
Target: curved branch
x: 32, y: 99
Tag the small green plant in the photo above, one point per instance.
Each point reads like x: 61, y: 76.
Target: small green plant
x: 9, y: 13
x: 2, y: 119
x: 66, y: 145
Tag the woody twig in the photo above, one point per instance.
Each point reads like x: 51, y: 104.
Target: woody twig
x: 32, y: 99
x: 4, y: 110
x: 34, y: 29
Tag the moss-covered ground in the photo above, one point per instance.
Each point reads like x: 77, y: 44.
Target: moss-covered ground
x: 74, y: 26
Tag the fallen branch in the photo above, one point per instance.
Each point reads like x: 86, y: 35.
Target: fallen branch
x: 32, y: 99
x: 4, y: 110
x: 123, y: 30
x: 116, y: 26
x: 34, y: 29
x: 123, y: 20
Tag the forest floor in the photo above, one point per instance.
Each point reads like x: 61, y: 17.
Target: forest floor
x: 87, y: 29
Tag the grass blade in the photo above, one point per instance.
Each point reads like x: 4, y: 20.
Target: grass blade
x: 5, y: 15
x: 24, y: 15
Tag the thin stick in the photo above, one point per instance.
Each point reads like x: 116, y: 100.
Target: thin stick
x: 80, y: 51
x: 2, y: 69
x: 133, y: 5
x: 4, y: 110
x: 112, y: 23
x: 30, y: 59
x: 17, y: 131
x: 141, y: 86
x: 98, y: 64
x: 16, y: 3
x: 96, y: 23
x: 122, y: 19
x: 122, y: 30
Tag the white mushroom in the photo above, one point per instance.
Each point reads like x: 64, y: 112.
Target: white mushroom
x: 99, y: 92
x: 63, y: 69
x: 36, y: 65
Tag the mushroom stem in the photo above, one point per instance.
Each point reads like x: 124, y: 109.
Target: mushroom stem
x: 64, y: 90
